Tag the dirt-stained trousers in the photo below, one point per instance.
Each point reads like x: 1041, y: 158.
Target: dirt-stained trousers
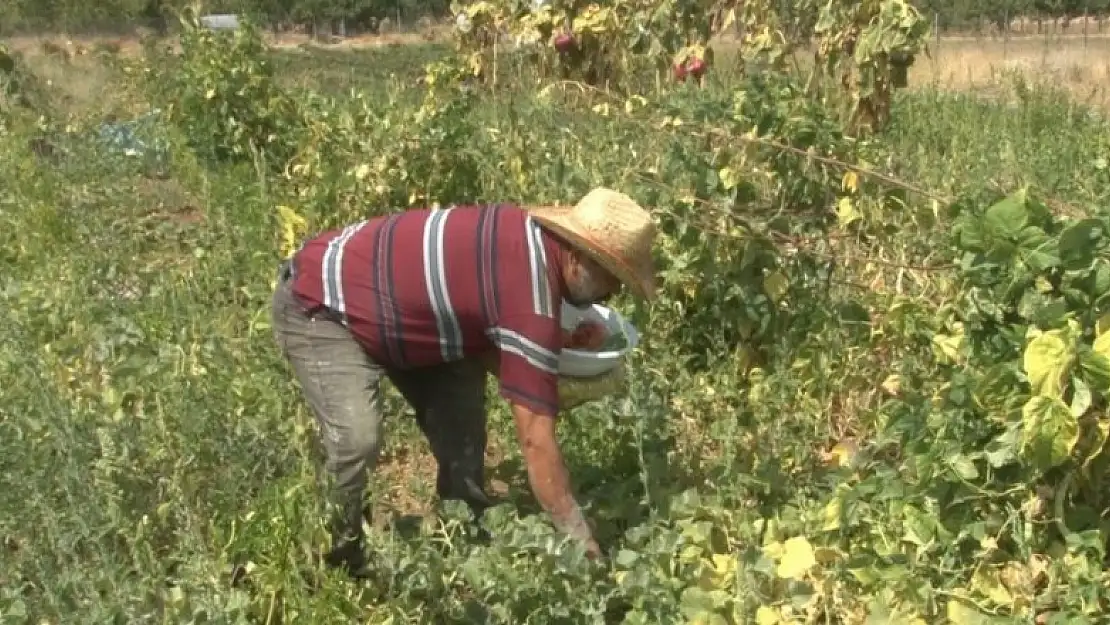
x: 342, y: 385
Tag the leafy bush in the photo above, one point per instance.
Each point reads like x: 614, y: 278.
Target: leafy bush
x: 223, y: 96
x: 368, y: 153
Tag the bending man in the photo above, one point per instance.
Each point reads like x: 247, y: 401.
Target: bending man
x: 426, y: 298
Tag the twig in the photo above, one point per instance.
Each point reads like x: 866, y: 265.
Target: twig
x: 1057, y: 205
x: 583, y: 87
x: 795, y: 240
x: 832, y: 162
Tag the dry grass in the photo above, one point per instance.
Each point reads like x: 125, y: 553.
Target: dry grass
x: 80, y: 84
x: 39, y: 44
x: 1083, y: 68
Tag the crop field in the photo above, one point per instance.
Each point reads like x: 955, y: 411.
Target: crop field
x: 874, y: 388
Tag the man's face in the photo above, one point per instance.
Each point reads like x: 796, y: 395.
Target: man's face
x: 588, y: 283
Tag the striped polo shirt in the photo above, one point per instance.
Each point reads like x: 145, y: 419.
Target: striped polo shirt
x: 428, y: 286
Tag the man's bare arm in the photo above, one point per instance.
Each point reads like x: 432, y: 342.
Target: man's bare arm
x: 547, y: 474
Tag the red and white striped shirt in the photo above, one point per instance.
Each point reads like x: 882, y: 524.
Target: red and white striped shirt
x: 428, y: 286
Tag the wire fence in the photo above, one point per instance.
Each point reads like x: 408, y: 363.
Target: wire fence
x: 1079, y: 29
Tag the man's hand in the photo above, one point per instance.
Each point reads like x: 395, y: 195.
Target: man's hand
x: 548, y: 476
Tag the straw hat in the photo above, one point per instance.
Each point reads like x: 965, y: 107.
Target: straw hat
x: 613, y: 230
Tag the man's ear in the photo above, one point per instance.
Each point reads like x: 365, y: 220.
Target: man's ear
x: 572, y: 266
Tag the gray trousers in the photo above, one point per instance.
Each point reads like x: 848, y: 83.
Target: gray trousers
x: 342, y: 385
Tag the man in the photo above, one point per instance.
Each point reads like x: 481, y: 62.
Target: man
x: 428, y: 298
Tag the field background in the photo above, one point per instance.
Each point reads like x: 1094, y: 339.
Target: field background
x: 158, y: 464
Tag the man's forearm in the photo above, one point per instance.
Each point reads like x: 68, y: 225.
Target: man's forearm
x: 550, y: 482
x: 547, y: 474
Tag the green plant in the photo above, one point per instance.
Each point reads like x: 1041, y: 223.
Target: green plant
x: 223, y: 96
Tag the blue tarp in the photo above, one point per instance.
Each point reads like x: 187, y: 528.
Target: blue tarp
x: 135, y: 138
x: 225, y: 21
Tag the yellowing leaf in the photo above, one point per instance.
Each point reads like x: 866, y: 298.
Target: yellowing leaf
x: 765, y: 615
x: 1047, y: 359
x: 893, y: 384
x: 479, y: 8
x: 707, y: 618
x: 776, y: 284
x: 718, y: 573
x: 729, y: 178
x: 292, y: 225
x: 797, y: 558
x: 1020, y: 581
x: 1101, y: 434
x: 773, y: 550
x: 826, y: 555
x: 1103, y: 324
x: 843, y: 454
x: 724, y: 564
x: 690, y: 553
x: 959, y: 613
x: 744, y: 358
x: 831, y: 515
x: 1049, y: 431
x: 864, y: 575
x: 947, y: 347
x: 987, y: 583
x: 850, y: 182
x: 475, y: 64
x: 1102, y: 343
x: 846, y: 212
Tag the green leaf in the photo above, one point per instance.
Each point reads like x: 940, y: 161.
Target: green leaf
x: 1008, y: 217
x: 1049, y: 431
x: 1037, y: 250
x: 964, y: 467
x: 968, y: 234
x: 1098, y: 282
x: 697, y: 602
x: 1079, y: 242
x: 1047, y: 359
x: 1003, y: 450
x: 1043, y: 310
x: 1096, y: 370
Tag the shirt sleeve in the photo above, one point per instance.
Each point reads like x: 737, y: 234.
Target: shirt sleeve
x: 529, y: 358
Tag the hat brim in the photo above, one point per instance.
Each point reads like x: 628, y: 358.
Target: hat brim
x: 560, y: 220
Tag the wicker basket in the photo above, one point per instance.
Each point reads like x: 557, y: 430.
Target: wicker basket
x: 574, y: 392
